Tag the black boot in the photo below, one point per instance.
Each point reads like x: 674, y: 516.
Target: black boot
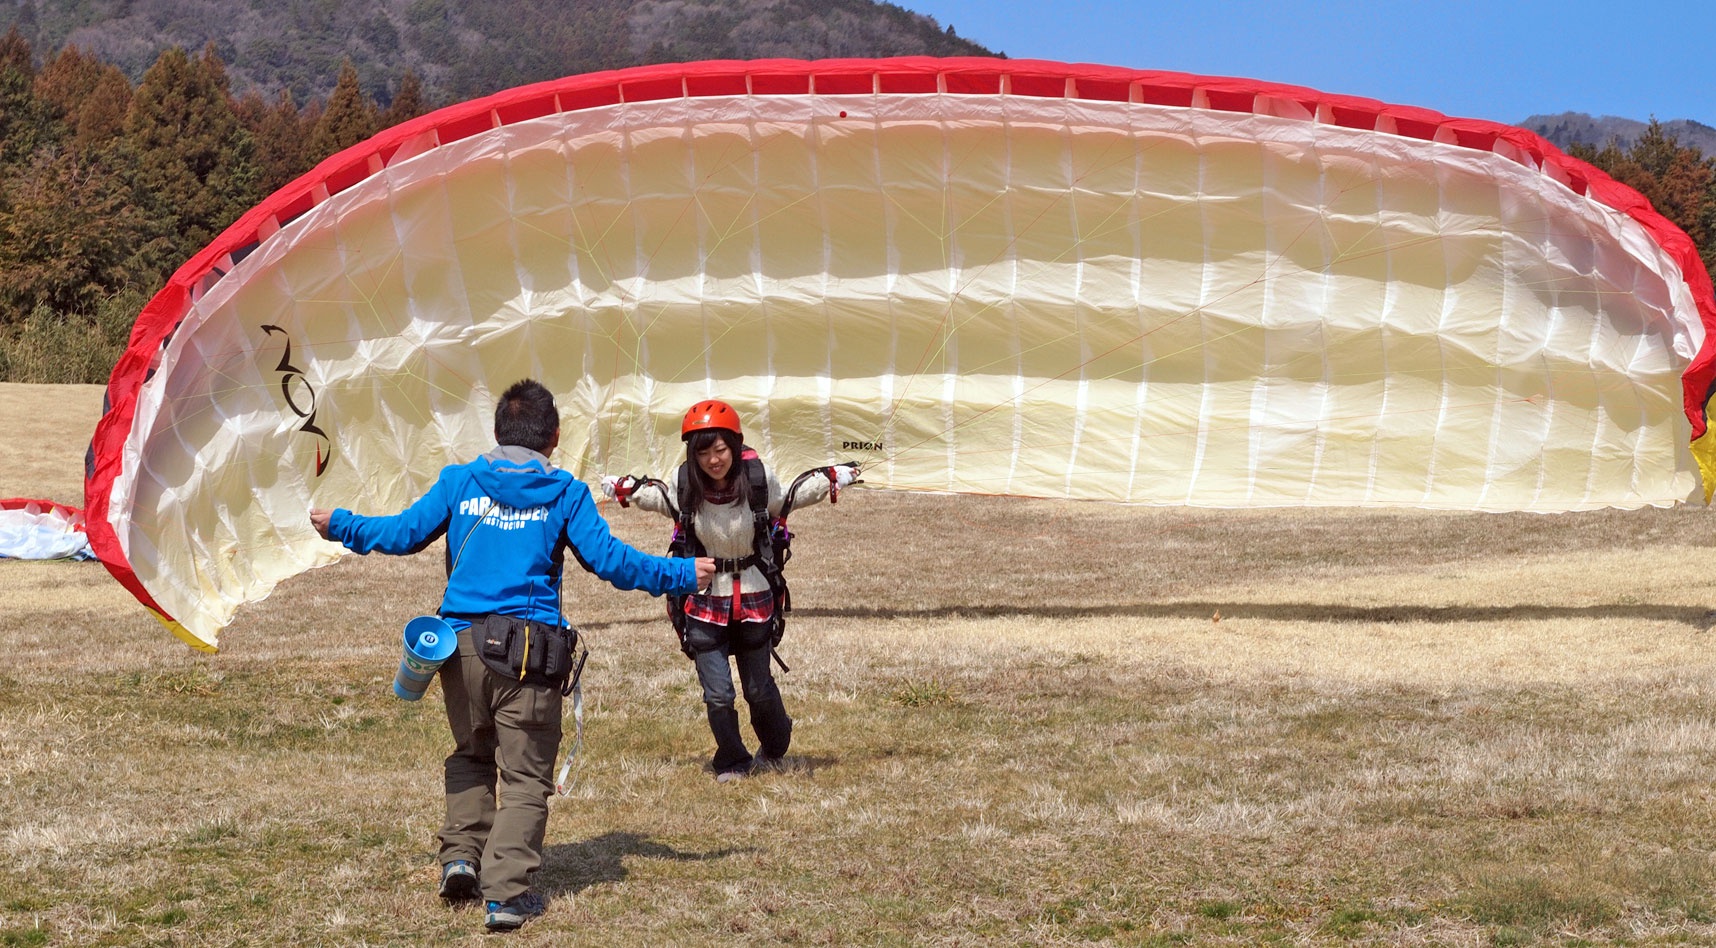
x: 774, y: 728
x: 730, y: 753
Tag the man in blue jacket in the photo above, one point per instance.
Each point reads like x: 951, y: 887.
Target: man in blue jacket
x: 509, y: 517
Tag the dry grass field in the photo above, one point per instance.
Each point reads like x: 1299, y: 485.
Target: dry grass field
x: 1019, y: 723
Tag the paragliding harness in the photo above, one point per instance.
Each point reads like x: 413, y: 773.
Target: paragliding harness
x: 771, y: 545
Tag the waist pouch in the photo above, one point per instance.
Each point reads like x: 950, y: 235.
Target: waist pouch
x: 521, y: 650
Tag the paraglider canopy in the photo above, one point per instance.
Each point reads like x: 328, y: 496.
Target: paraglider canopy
x: 972, y: 275
x: 34, y: 529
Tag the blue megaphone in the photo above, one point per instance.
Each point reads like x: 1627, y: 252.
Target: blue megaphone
x: 429, y: 642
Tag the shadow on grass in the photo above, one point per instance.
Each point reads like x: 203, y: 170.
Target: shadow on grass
x: 795, y: 764
x: 570, y: 868
x: 1698, y: 617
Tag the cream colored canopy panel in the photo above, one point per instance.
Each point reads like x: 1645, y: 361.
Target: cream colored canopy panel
x: 989, y: 294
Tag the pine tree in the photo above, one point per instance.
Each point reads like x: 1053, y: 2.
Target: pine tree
x: 24, y: 120
x: 195, y: 168
x: 101, y: 117
x: 67, y: 78
x: 68, y: 230
x: 88, y: 95
x: 1678, y: 180
x: 408, y: 102
x: 282, y: 135
x: 349, y: 118
x: 1707, y: 222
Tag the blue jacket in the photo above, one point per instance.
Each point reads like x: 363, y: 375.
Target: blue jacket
x: 509, y: 517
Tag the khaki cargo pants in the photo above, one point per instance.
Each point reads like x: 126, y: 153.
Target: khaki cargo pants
x: 500, y: 774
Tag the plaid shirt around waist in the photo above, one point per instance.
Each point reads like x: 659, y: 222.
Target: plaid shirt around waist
x: 718, y: 610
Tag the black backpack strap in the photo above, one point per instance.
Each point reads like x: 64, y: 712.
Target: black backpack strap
x: 684, y: 543
x: 762, y: 538
x: 770, y: 559
x: 687, y: 522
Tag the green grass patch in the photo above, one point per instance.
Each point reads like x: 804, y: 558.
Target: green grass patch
x: 1220, y: 909
x: 925, y: 693
x: 1537, y: 904
x: 23, y: 937
x: 1349, y: 922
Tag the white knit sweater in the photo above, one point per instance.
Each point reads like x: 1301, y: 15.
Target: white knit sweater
x: 725, y: 529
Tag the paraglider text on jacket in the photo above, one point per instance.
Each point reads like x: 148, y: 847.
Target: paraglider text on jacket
x: 500, y: 515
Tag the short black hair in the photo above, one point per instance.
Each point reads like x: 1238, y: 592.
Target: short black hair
x: 525, y: 416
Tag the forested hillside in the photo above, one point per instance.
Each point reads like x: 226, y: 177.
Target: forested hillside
x: 460, y: 50
x: 1568, y: 129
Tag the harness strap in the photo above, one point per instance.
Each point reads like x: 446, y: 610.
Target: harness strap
x: 562, y: 785
x: 739, y: 565
x: 762, y: 545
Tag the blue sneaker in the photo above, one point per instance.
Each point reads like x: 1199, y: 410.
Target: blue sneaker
x: 459, y: 881
x: 509, y: 915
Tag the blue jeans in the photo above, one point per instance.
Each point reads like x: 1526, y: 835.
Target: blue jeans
x: 768, y: 713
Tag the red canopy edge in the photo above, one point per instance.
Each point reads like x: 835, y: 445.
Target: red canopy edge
x: 23, y: 503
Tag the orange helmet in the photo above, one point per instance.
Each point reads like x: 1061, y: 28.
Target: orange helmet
x: 707, y: 415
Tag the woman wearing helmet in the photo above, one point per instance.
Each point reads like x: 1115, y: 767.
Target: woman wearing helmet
x: 726, y: 504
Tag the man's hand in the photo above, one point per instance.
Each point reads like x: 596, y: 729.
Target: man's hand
x: 319, y: 520
x: 705, y: 572
x: 844, y: 474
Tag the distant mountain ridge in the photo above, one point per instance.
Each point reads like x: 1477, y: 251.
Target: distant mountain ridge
x: 461, y: 49
x: 1569, y: 127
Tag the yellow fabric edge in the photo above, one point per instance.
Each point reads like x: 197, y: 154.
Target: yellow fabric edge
x: 1704, y: 452
x: 190, y: 638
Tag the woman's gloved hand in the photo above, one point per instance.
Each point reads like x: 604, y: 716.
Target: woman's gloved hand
x: 619, y: 488
x: 844, y: 474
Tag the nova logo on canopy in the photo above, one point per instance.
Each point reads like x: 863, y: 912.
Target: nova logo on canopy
x: 990, y: 276
x: 301, y: 400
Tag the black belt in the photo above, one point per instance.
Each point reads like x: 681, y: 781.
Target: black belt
x: 724, y: 565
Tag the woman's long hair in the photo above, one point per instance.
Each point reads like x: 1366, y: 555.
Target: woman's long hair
x: 698, y: 483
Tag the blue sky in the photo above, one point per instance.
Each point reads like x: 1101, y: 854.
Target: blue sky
x: 1501, y: 60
